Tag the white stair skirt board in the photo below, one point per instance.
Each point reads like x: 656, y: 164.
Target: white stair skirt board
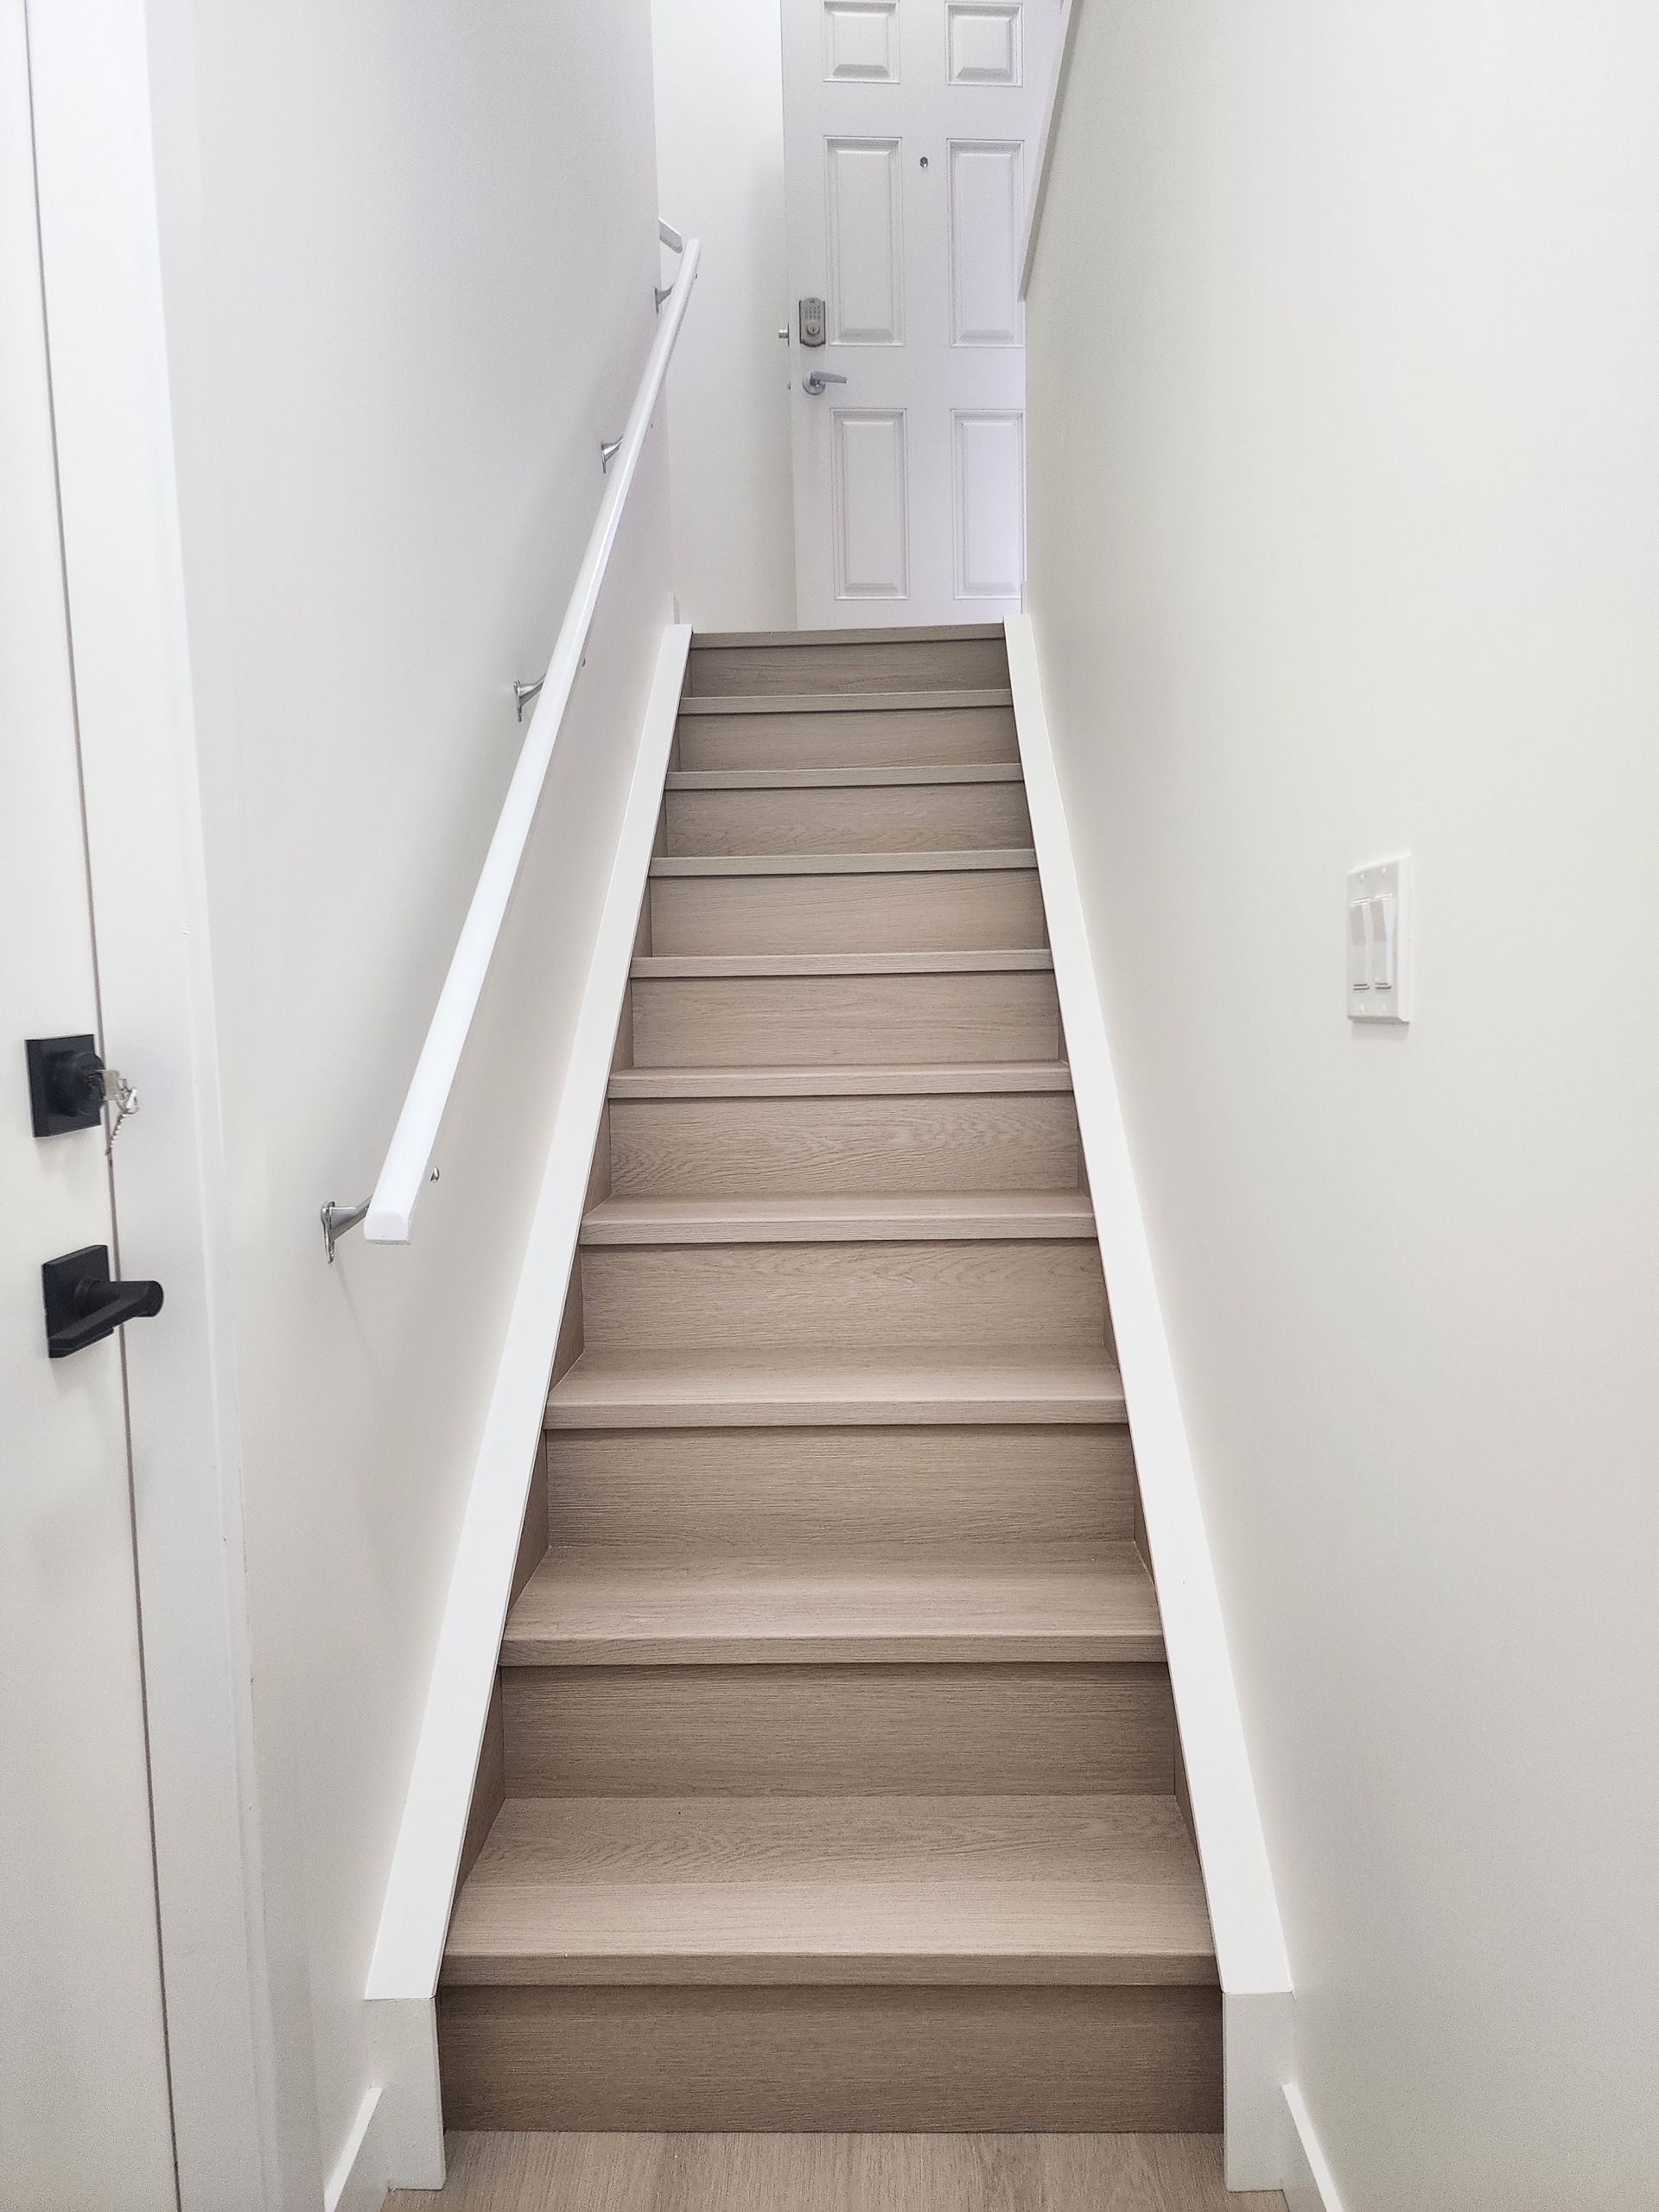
x: 1307, y: 2182
x: 403, y: 1972
x: 357, y: 2183
x: 1243, y: 1911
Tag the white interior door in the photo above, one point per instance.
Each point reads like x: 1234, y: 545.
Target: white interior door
x: 909, y: 134
x: 84, y: 2116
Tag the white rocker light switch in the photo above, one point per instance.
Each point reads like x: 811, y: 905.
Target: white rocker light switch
x: 1380, y: 941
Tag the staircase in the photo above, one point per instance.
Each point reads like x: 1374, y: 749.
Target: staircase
x: 831, y: 1780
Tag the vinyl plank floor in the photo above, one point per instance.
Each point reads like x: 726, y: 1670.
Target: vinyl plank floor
x: 834, y: 2173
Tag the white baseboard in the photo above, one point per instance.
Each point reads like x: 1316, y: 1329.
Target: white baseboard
x: 357, y: 2183
x: 1256, y: 2028
x: 1307, y: 2183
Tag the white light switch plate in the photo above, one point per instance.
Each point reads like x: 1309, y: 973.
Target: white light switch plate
x: 1379, y: 938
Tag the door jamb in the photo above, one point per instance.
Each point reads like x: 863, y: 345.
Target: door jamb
x: 228, y: 1868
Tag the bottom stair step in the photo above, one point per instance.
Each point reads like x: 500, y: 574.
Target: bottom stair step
x: 895, y: 1963
x: 852, y: 2059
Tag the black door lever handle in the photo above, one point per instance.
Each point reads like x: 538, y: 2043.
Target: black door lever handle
x: 83, y: 1306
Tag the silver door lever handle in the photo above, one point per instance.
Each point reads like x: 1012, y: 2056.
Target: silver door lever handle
x: 818, y: 380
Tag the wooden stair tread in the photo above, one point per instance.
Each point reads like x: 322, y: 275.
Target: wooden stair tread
x: 961, y: 859
x: 843, y: 703
x: 922, y: 633
x: 942, y: 1077
x: 1076, y: 1890
x: 977, y: 962
x: 903, y: 777
x: 927, y: 1216
x: 789, y: 1390
x: 599, y: 1610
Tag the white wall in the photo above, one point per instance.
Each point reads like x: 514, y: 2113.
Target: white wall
x: 409, y: 252
x: 1344, y: 355
x: 719, y: 160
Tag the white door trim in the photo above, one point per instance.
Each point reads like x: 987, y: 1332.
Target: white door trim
x: 244, y: 2101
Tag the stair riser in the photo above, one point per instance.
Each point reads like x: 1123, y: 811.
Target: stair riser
x: 831, y: 1730
x: 993, y: 1297
x: 852, y: 2059
x: 928, y: 737
x: 762, y: 1148
x: 913, y: 818
x: 843, y: 1021
x: 878, y: 1493
x: 902, y: 664
x: 996, y: 909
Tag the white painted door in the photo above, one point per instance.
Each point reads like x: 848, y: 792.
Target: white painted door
x: 84, y: 2116
x: 910, y: 137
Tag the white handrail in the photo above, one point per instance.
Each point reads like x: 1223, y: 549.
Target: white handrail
x: 1070, y: 14
x: 388, y: 1214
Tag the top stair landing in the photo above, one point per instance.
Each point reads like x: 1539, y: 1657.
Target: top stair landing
x: 743, y: 664
x: 851, y: 705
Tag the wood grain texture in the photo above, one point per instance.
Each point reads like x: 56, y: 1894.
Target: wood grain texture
x: 869, y: 634
x: 687, y: 2172
x: 879, y: 818
x: 822, y: 779
x: 962, y: 1078
x: 873, y: 2058
x: 1073, y: 1891
x: 1016, y: 858
x: 870, y: 1389
x: 787, y: 665
x: 822, y: 702
x: 937, y: 961
x: 824, y: 1218
x: 927, y: 735
x: 893, y: 1494
x: 847, y: 913
x: 594, y: 1608
x: 984, y: 1014
x: 960, y: 1298
x: 891, y: 1143
x: 838, y: 1730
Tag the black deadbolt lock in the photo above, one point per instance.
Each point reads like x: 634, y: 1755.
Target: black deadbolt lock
x: 66, y: 1084
x: 83, y: 1306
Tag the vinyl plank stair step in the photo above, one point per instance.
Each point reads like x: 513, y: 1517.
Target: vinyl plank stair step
x: 873, y: 1218
x: 915, y: 775
x: 843, y: 703
x: 587, y: 1609
x: 943, y: 1078
x: 871, y: 634
x: 965, y: 860
x: 781, y: 1890
x: 978, y: 962
x: 798, y: 661
x: 867, y: 1389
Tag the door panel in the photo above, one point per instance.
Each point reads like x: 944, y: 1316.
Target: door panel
x: 988, y: 504
x: 909, y: 132
x: 866, y: 244
x: 860, y: 41
x: 870, y: 505
x: 986, y: 210
x: 84, y: 2108
x: 983, y: 44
